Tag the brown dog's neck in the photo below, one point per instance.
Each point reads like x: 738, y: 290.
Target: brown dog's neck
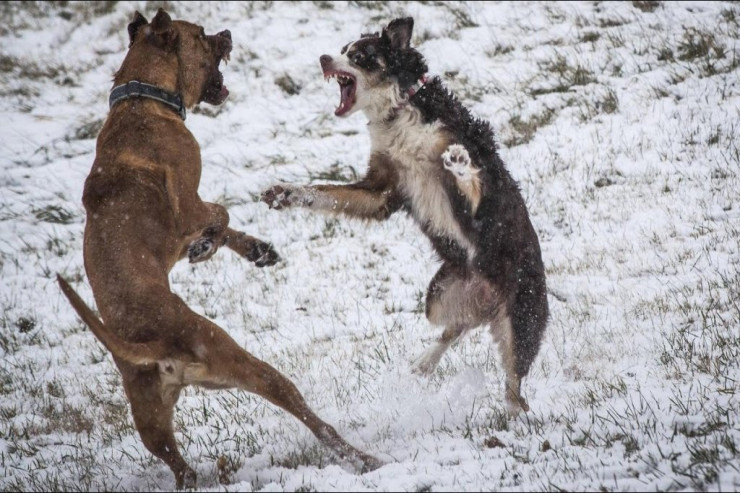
x: 135, y: 89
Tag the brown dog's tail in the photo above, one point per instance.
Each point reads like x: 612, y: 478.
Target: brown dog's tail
x: 132, y: 352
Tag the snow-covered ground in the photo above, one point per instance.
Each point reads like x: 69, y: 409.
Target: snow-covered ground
x: 621, y: 122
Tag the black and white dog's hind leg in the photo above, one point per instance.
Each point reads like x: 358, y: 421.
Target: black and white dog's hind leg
x: 459, y: 301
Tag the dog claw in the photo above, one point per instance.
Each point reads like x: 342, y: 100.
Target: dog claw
x: 276, y: 197
x: 457, y: 161
x: 263, y: 254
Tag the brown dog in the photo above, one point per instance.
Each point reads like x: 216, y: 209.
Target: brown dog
x: 143, y: 215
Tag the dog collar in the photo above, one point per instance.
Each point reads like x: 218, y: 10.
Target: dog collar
x: 417, y: 85
x: 139, y: 89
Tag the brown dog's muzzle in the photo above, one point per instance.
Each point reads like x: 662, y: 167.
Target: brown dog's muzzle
x: 215, y: 91
x: 222, y: 42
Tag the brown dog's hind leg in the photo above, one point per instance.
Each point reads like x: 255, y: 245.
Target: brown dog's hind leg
x: 152, y: 410
x: 223, y: 363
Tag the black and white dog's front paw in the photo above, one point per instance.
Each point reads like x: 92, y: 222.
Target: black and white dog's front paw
x: 457, y: 161
x: 280, y: 196
x: 263, y: 254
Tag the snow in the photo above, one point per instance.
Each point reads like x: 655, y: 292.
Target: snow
x: 632, y: 183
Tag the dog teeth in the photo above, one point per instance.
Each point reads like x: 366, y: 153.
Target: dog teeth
x: 342, y: 79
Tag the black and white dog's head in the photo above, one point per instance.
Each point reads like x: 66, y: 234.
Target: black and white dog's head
x: 376, y: 72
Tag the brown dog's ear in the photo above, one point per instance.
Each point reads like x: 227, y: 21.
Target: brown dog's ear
x: 398, y: 32
x: 162, y: 22
x: 162, y: 34
x: 133, y: 28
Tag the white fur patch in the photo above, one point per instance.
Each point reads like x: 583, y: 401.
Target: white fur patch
x: 457, y: 161
x: 426, y: 363
x: 410, y: 142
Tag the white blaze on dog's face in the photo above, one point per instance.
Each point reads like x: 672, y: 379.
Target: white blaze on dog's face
x: 366, y: 75
x: 360, y: 72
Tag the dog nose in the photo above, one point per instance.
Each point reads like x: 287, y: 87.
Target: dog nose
x: 226, y: 34
x: 325, y: 60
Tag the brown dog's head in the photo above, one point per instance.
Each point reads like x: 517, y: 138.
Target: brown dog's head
x: 375, y: 71
x: 177, y: 56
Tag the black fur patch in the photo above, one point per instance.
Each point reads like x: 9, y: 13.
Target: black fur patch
x: 436, y: 102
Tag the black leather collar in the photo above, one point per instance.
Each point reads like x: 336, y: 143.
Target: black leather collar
x: 139, y: 89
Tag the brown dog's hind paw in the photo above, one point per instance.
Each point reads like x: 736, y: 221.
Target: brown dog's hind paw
x: 186, y: 480
x: 370, y: 463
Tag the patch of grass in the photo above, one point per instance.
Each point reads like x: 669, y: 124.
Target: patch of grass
x: 303, y: 455
x: 323, y: 5
x: 605, y: 103
x: 646, y: 5
x: 697, y: 44
x: 226, y: 467
x: 88, y: 130
x: 731, y: 16
x: 605, y: 23
x: 666, y: 55
x: 55, y: 214
x: 25, y: 324
x: 460, y: 12
x: 524, y: 130
x: 568, y: 76
x: 499, y: 49
x: 370, y: 5
x: 288, y: 85
x: 589, y: 37
x: 336, y: 172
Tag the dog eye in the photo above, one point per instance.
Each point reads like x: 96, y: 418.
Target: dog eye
x: 358, y: 57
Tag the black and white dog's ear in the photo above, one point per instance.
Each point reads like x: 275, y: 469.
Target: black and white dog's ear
x: 398, y: 33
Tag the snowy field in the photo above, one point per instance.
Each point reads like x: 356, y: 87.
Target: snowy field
x: 621, y: 122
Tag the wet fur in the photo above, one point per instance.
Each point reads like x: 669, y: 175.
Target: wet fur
x: 492, y: 271
x: 144, y: 214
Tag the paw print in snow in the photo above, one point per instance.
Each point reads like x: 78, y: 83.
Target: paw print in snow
x: 457, y: 160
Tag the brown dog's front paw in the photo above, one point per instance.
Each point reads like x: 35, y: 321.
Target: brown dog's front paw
x: 201, y: 249
x: 263, y: 254
x: 277, y: 197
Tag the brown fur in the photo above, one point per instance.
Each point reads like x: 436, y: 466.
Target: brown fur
x: 143, y: 215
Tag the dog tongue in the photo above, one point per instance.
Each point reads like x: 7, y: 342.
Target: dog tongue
x: 346, y: 94
x: 223, y: 93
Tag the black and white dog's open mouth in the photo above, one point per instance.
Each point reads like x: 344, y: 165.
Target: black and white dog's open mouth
x: 347, y: 88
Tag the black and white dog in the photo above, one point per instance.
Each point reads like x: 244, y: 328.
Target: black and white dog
x: 432, y: 159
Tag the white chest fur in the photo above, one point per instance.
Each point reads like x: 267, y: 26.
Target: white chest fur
x: 412, y: 145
